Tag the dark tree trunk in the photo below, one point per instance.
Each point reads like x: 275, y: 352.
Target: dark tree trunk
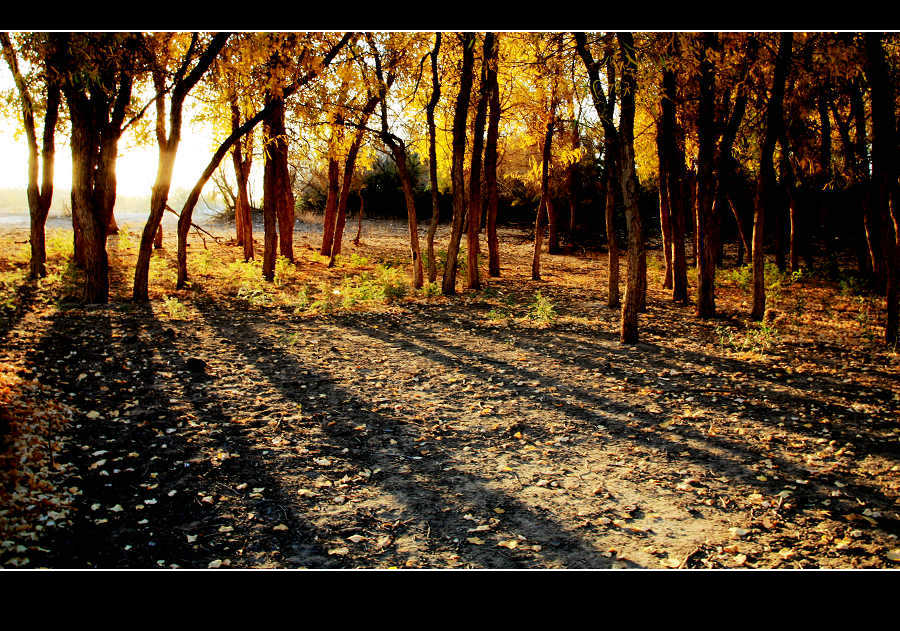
x: 631, y: 305
x: 473, y: 247
x: 359, y: 218
x: 490, y: 166
x: 665, y: 218
x: 765, y: 190
x: 612, y: 293
x: 884, y: 172
x: 432, y: 159
x: 545, y: 203
x: 706, y: 186
x: 457, y: 175
x: 674, y: 182
x: 331, y: 204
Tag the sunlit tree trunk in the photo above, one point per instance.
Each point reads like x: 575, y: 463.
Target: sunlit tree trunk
x: 632, y: 302
x: 39, y: 195
x: 167, y: 144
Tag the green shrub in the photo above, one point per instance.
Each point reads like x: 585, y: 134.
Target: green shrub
x: 541, y: 310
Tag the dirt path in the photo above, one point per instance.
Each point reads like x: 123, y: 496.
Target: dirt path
x: 430, y: 435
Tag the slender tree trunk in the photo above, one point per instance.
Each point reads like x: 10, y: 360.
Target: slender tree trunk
x: 612, y: 295
x: 766, y: 183
x: 884, y: 173
x: 490, y: 165
x: 284, y: 194
x: 706, y: 188
x: 331, y: 203
x: 359, y: 218
x: 432, y: 159
x: 544, y: 206
x: 665, y: 219
x: 399, y: 153
x: 473, y: 246
x: 457, y: 175
x: 674, y: 182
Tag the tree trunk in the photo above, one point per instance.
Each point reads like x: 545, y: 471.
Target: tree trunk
x: 432, y: 159
x: 612, y: 296
x: 490, y: 166
x: 631, y: 305
x: 331, y: 203
x: 39, y: 195
x: 359, y: 218
x: 457, y: 175
x: 706, y: 187
x: 473, y: 246
x: 766, y: 183
x: 544, y: 205
x: 665, y: 218
x: 282, y: 180
x: 884, y: 173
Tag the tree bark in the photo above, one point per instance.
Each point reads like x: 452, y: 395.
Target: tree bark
x: 766, y: 183
x: 665, y: 217
x: 490, y: 165
x: 706, y: 186
x: 39, y: 195
x: 884, y: 173
x: 612, y: 294
x: 457, y: 175
x: 544, y: 205
x: 432, y: 159
x: 473, y: 246
x: 168, y: 147
x: 331, y: 203
x: 631, y: 305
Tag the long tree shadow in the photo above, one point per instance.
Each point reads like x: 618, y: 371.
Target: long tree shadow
x: 738, y: 466
x: 427, y: 489
x: 856, y: 427
x: 139, y: 445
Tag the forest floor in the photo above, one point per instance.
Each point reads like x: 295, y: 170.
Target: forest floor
x: 337, y: 419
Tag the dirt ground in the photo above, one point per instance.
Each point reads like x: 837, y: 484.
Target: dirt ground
x: 461, y: 433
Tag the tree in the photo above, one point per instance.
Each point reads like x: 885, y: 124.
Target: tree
x: 884, y: 171
x: 765, y: 190
x: 448, y: 284
x: 311, y: 67
x: 620, y: 144
x: 161, y: 60
x: 39, y: 195
x: 399, y: 153
x: 97, y: 75
x: 432, y: 159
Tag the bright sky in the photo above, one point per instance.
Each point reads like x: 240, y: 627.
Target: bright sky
x: 136, y: 165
